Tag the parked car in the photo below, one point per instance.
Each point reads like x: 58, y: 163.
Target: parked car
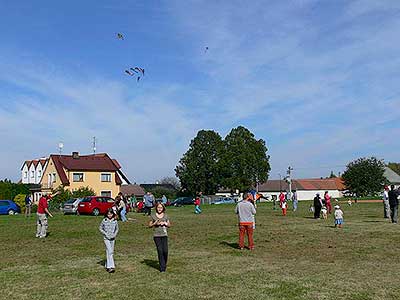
x: 95, y: 205
x: 71, y: 206
x: 8, y: 207
x: 182, y: 201
x: 224, y: 201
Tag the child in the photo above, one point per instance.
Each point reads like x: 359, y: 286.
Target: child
x: 311, y: 209
x: 284, y: 207
x: 338, y: 216
x: 324, y: 212
x: 197, y: 209
x: 109, y: 229
x: 160, y: 223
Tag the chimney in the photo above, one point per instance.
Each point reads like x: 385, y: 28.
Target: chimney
x: 75, y: 155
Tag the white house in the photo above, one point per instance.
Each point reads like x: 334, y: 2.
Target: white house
x: 32, y: 172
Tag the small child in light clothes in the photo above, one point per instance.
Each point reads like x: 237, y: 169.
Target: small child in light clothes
x: 109, y: 228
x: 284, y: 207
x: 338, y: 216
x: 311, y: 209
x: 324, y: 212
x: 349, y: 202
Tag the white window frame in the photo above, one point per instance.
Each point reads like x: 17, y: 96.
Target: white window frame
x: 39, y: 173
x: 26, y: 174
x: 101, y: 177
x: 32, y: 174
x: 110, y: 195
x: 83, y: 177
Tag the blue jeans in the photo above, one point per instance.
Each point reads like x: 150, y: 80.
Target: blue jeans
x: 123, y: 215
x: 295, y: 202
x: 197, y: 209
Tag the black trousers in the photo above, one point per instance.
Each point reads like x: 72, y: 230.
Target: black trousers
x: 317, y: 212
x: 147, y: 210
x: 162, y: 251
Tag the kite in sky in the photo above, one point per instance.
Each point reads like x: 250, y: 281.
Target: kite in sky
x: 120, y: 36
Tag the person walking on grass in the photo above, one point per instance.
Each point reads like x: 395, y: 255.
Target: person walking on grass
x: 42, y: 213
x: 328, y: 204
x: 386, y: 206
x: 284, y: 205
x: 160, y: 222
x: 197, y: 202
x: 109, y: 228
x: 317, y: 206
x: 394, y: 203
x: 148, y: 203
x: 28, y: 205
x: 295, y: 201
x: 338, y: 216
x: 246, y: 212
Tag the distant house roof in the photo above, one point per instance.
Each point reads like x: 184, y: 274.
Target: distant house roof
x: 391, y: 176
x: 152, y: 186
x: 35, y: 162
x: 132, y: 189
x: 302, y: 184
x: 95, y: 162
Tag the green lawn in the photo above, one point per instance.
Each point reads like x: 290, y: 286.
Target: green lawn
x: 296, y: 257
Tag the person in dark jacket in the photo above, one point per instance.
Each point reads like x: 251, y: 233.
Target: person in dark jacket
x: 394, y: 203
x: 317, y: 206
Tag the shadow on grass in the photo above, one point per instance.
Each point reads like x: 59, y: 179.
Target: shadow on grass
x: 102, y: 262
x: 232, y: 245
x: 151, y: 263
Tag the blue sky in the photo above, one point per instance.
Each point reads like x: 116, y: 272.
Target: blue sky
x: 318, y: 80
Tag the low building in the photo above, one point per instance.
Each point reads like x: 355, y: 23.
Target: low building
x: 306, y: 188
x: 97, y: 171
x: 132, y: 189
x: 392, y: 177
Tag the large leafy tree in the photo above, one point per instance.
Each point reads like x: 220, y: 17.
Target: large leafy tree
x: 364, y: 176
x: 245, y: 161
x: 199, y: 169
x: 395, y: 167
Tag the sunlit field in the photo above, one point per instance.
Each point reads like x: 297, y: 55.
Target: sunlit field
x: 296, y: 257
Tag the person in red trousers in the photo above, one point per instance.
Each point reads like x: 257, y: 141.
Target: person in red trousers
x: 246, y: 211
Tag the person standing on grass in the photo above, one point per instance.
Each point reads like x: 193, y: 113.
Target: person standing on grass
x: 317, y: 206
x: 281, y: 198
x: 338, y: 216
x: 197, y: 202
x: 394, y: 203
x: 246, y: 212
x: 386, y: 206
x: 328, y: 204
x: 160, y: 222
x: 122, y: 209
x: 295, y: 201
x: 28, y: 205
x: 109, y: 228
x: 148, y: 203
x: 284, y: 205
x: 42, y: 213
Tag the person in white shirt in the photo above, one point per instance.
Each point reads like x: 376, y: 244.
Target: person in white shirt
x: 386, y: 206
x: 338, y: 216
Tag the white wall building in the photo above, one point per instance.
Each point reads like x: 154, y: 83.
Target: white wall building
x: 32, y: 172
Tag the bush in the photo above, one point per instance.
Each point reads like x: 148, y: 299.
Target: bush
x: 20, y: 200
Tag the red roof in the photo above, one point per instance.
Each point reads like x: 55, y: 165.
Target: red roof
x: 303, y: 184
x: 97, y: 162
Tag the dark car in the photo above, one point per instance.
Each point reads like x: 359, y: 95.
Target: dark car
x: 182, y: 201
x: 8, y: 207
x: 224, y: 201
x: 95, y: 205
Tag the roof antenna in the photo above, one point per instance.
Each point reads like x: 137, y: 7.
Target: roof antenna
x: 60, y: 147
x: 94, y: 145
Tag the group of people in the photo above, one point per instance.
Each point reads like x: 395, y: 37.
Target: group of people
x: 391, y: 203
x: 322, y: 207
x: 283, y: 201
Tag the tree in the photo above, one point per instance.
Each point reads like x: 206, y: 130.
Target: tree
x: 172, y: 181
x: 364, y: 176
x: 198, y: 170
x: 245, y: 161
x: 332, y: 175
x: 395, y: 167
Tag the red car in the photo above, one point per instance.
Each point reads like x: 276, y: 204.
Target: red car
x: 95, y: 205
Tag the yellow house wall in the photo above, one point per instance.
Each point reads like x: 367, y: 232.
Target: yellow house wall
x: 93, y: 180
x: 49, y: 170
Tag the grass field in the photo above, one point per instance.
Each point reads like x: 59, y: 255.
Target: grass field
x: 296, y: 257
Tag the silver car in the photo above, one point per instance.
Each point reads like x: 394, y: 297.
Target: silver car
x: 71, y: 206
